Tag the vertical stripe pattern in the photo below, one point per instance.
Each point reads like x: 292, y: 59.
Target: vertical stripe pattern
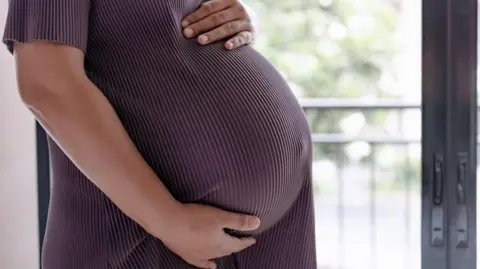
x: 218, y: 127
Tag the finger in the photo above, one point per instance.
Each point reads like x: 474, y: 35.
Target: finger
x: 206, y: 9
x: 203, y: 264
x: 234, y: 244
x: 242, y: 38
x: 239, y: 222
x: 213, y: 21
x: 227, y: 30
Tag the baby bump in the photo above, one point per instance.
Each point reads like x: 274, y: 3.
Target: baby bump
x: 260, y: 173
x: 242, y: 155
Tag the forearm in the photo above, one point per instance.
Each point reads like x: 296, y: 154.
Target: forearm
x: 88, y: 130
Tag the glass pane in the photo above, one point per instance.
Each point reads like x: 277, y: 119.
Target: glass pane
x: 356, y: 67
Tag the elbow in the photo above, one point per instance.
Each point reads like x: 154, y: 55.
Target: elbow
x: 44, y: 102
x: 29, y: 95
x: 40, y: 95
x: 34, y: 95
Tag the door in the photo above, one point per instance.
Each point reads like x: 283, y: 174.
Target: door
x: 449, y: 135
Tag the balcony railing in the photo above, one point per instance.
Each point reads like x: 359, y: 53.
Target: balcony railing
x: 360, y: 225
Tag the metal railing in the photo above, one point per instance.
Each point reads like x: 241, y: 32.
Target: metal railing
x: 352, y: 253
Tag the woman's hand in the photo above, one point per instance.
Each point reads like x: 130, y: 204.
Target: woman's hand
x: 197, y: 235
x: 219, y: 19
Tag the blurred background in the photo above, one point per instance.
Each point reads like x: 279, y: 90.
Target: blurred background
x: 355, y: 65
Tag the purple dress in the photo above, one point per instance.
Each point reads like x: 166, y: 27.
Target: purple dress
x: 218, y: 127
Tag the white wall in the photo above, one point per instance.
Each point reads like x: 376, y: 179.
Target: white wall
x: 18, y: 208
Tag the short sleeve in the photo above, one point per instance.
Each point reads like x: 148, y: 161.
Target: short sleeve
x: 61, y: 21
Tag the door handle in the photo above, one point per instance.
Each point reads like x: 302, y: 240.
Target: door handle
x: 437, y: 221
x: 462, y: 213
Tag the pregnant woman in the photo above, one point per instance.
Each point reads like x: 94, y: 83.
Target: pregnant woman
x: 165, y: 154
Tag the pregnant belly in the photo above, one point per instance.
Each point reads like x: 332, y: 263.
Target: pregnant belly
x: 226, y: 132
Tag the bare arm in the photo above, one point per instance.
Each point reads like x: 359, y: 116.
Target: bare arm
x: 54, y: 86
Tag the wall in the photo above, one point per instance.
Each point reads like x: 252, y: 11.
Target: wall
x: 18, y: 212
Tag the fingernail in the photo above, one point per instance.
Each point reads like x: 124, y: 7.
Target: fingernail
x: 229, y: 45
x: 202, y: 39
x: 185, y: 23
x: 188, y: 32
x: 254, y: 222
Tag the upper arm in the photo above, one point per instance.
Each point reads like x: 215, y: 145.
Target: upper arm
x: 48, y: 37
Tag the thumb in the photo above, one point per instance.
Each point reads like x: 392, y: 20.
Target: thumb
x: 240, y: 222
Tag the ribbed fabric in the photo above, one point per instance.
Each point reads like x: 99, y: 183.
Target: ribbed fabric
x: 218, y: 127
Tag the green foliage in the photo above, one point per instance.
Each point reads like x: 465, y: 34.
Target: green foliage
x: 329, y: 49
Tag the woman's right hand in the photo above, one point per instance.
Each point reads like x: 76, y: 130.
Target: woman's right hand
x: 196, y: 234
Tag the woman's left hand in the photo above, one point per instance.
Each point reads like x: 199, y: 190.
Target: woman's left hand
x: 219, y: 19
